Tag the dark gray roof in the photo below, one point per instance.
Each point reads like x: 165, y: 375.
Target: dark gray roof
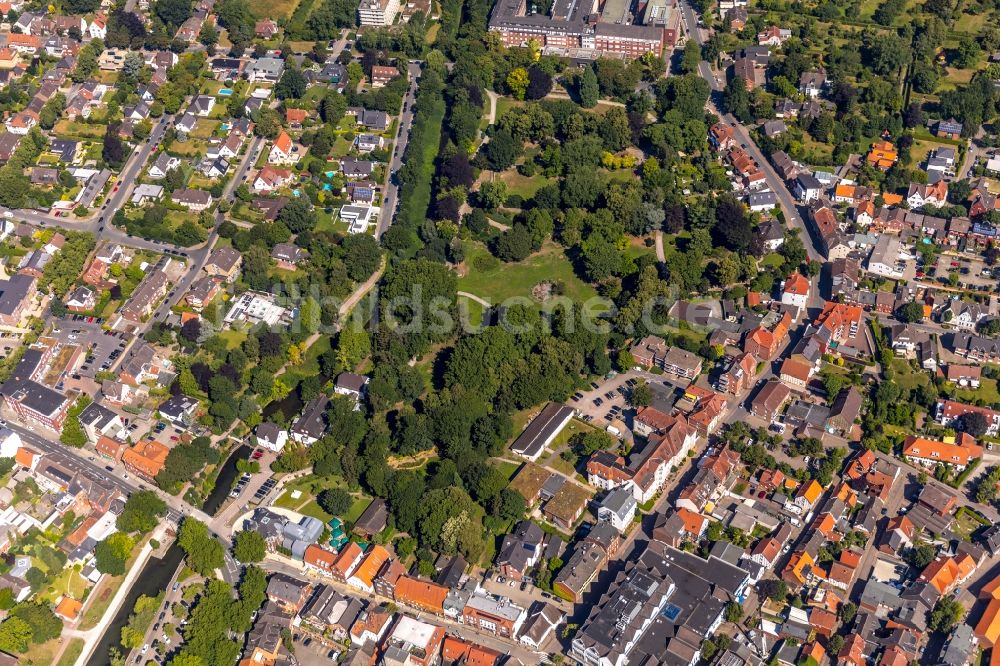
x: 13, y: 292
x: 374, y: 518
x: 542, y: 428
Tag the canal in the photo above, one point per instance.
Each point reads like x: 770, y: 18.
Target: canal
x: 290, y: 405
x: 224, y: 482
x: 154, y: 578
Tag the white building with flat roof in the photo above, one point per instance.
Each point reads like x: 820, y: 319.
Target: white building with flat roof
x: 378, y: 12
x: 256, y: 307
x: 359, y: 218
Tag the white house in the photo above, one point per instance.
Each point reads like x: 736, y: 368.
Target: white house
x: 618, y: 508
x: 920, y: 195
x: 359, y: 218
x: 760, y: 202
x: 963, y: 315
x: 366, y: 143
x: 795, y: 293
x: 161, y: 165
x: 146, y: 192
x: 807, y: 188
x: 271, y: 437
x: 885, y: 257
x: 98, y: 28
x: 283, y: 150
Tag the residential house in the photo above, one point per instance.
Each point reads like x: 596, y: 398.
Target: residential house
x: 194, y: 200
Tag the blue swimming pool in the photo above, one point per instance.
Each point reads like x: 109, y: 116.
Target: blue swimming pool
x: 226, y: 92
x: 329, y: 174
x: 295, y: 193
x: 326, y: 186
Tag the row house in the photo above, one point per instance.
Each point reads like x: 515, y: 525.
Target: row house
x: 715, y: 472
x: 949, y: 411
x: 764, y: 343
x: 646, y: 468
x: 739, y: 374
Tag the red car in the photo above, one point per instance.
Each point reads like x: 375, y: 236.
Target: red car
x: 174, y: 438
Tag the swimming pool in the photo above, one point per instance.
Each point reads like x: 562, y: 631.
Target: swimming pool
x: 329, y: 174
x: 226, y: 92
x: 295, y: 193
x: 326, y: 186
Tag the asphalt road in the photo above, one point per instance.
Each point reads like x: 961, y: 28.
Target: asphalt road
x: 391, y: 198
x: 774, y: 182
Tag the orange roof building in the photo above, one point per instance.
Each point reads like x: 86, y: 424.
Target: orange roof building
x: 931, y: 452
x: 891, y: 199
x: 811, y: 491
x: 318, y: 558
x: 823, y: 621
x: 363, y: 577
x: 944, y: 573
x: 421, y: 594
x: 146, y: 459
x: 988, y: 628
x: 27, y: 458
x: 347, y: 561
x: 455, y: 649
x: 894, y: 656
x: 853, y: 652
x: 68, y: 609
x: 694, y: 523
x: 882, y: 155
x: 799, y: 566
x: 991, y: 590
x: 296, y: 116
x: 825, y: 525
x: 797, y: 285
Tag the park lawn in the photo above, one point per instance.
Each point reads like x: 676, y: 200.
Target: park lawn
x: 955, y: 77
x: 505, y: 281
x: 192, y: 148
x: 637, y: 248
x: 330, y: 222
x: 42, y: 655
x: 524, y: 186
x: 508, y: 467
x: 105, y: 592
x: 817, y: 153
x: 357, y: 508
x: 71, y: 653
x: 312, y: 508
x: 772, y: 261
x: 966, y: 523
x: 471, y: 312
x: 505, y: 104
x: 987, y: 391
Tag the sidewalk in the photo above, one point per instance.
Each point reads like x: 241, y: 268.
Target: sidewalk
x: 91, y: 635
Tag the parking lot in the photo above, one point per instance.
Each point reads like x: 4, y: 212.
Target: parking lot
x: 606, y: 400
x: 972, y: 273
x: 311, y: 651
x: 102, y: 349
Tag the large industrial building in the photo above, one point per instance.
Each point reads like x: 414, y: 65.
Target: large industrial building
x: 591, y: 28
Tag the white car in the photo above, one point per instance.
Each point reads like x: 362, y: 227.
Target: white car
x: 145, y: 648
